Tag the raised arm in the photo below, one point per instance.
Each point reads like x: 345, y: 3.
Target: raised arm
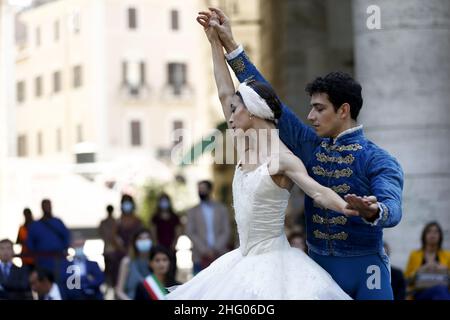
x: 224, y: 83
x: 293, y: 167
x: 298, y: 137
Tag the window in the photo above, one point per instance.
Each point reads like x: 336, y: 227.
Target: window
x: 56, y: 81
x: 56, y: 30
x: 59, y: 139
x: 38, y: 86
x: 38, y: 36
x: 177, y: 125
x: 75, y: 22
x: 174, y: 23
x: 132, y: 18
x: 135, y: 127
x: 177, y: 76
x: 22, y: 146
x: 87, y: 157
x: 124, y: 72
x: 39, y: 143
x: 20, y: 91
x: 79, y: 133
x: 77, y: 76
x: 142, y: 72
x: 133, y: 76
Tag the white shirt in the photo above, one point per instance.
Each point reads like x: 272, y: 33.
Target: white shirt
x: 54, y: 293
x: 80, y: 266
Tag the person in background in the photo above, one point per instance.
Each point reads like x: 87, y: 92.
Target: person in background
x: 113, y: 250
x: 208, y: 227
x: 166, y: 228
x: 154, y: 286
x: 166, y: 224
x: 22, y: 236
x: 134, y: 267
x: 48, y: 240
x: 429, y: 261
x: 13, y: 279
x: 129, y: 223
x: 88, y: 276
x: 398, y: 281
x: 42, y: 281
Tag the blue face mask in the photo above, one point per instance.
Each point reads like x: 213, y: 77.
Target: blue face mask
x: 144, y: 245
x: 127, y: 207
x: 164, y: 204
x: 79, y: 252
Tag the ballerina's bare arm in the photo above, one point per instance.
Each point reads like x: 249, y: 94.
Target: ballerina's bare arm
x: 225, y: 86
x: 293, y: 167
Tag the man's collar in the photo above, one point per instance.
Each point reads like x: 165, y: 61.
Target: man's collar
x: 348, y: 132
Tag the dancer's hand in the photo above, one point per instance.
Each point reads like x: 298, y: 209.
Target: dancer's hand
x: 367, y: 206
x: 208, y: 20
x: 224, y: 30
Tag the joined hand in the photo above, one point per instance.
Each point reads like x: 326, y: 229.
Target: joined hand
x: 366, y: 206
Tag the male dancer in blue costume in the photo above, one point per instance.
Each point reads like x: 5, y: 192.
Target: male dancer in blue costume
x: 339, y: 156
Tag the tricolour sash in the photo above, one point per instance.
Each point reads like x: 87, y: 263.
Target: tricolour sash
x: 154, y: 288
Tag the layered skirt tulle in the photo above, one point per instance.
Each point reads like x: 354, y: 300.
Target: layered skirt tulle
x: 287, y: 274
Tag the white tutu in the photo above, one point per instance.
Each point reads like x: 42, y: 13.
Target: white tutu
x: 277, y: 275
x: 265, y: 267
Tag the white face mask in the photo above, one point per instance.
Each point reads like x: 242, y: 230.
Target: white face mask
x: 143, y: 245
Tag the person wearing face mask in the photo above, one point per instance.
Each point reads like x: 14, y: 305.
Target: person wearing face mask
x: 208, y: 227
x: 134, y: 267
x: 166, y: 224
x: 167, y: 227
x: 128, y: 223
x: 80, y: 270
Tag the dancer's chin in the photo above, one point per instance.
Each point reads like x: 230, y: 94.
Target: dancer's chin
x: 318, y: 132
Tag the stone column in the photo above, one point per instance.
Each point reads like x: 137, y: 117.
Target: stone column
x: 404, y: 69
x: 303, y: 49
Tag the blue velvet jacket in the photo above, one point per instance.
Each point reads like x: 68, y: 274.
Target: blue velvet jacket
x: 347, y: 164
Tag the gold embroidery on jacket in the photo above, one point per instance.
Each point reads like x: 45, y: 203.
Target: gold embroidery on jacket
x: 335, y: 220
x: 347, y: 172
x: 322, y: 157
x: 349, y: 147
x: 337, y: 236
x: 342, y: 188
x: 237, y: 65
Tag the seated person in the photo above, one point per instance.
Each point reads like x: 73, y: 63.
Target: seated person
x: 80, y: 277
x: 13, y: 280
x: 427, y: 269
x: 42, y: 281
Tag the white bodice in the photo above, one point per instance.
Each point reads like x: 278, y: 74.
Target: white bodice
x: 259, y: 206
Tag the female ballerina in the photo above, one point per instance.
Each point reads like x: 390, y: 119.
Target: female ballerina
x: 265, y: 266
